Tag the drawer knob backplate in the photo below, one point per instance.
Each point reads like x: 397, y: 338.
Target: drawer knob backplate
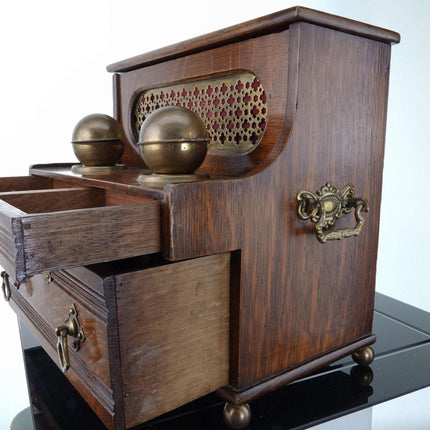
x: 71, y: 327
x: 327, y: 205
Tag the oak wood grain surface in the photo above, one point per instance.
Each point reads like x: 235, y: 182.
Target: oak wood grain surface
x: 173, y: 324
x: 257, y: 27
x: 333, y: 125
x: 43, y: 306
x: 254, y: 54
x: 65, y: 239
x: 22, y: 183
x: 251, y: 299
x: 70, y: 227
x: 298, y: 298
x: 37, y: 201
x: 52, y: 300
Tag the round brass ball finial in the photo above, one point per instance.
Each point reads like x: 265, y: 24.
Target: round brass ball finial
x: 173, y: 141
x: 98, y: 140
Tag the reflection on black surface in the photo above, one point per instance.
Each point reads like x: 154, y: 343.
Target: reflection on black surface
x: 293, y: 406
x: 56, y: 404
x: 363, y: 375
x: 402, y: 365
x: 402, y: 312
x: 393, y: 335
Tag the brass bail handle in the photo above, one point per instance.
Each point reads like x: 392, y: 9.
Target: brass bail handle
x: 72, y: 328
x: 5, y: 286
x: 327, y: 205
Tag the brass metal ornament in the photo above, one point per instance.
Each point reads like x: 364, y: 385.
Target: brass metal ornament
x: 327, y: 205
x: 97, y: 170
x: 48, y: 277
x: 5, y: 286
x: 362, y: 374
x: 237, y: 416
x: 364, y: 356
x: 71, y: 327
x: 98, y: 140
x: 97, y: 127
x: 173, y: 141
x: 159, y: 181
x: 233, y: 107
x: 95, y: 154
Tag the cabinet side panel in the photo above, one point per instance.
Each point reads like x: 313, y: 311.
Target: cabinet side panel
x: 174, y: 334
x: 299, y: 299
x: 315, y: 298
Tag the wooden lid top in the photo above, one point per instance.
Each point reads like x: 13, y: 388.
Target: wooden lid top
x: 268, y: 24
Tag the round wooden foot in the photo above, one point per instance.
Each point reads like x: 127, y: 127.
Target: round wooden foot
x: 363, y: 356
x: 237, y: 417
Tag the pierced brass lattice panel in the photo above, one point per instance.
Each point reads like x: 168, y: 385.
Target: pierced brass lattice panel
x: 233, y: 108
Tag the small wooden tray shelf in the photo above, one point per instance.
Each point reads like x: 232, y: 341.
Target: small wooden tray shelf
x: 45, y: 229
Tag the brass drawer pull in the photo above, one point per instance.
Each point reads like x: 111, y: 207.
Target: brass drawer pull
x: 327, y: 205
x: 5, y: 286
x: 70, y: 328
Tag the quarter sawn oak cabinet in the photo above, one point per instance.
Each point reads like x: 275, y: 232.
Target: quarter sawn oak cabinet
x: 256, y: 270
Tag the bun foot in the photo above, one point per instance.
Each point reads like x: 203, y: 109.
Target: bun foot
x: 364, y: 356
x: 237, y: 416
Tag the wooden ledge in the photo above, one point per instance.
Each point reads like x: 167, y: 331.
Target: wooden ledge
x: 257, y: 27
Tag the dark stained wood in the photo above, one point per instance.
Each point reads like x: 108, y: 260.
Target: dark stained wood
x: 254, y: 54
x: 249, y: 46
x: 43, y: 306
x: 21, y: 183
x: 187, y: 321
x: 115, y: 368
x: 93, y: 285
x: 123, y: 183
x: 268, y: 24
x: 250, y: 298
x: 8, y: 250
x: 298, y: 298
x: 44, y: 241
x: 32, y: 202
x: 245, y: 396
x: 114, y: 198
x: 52, y: 301
x: 89, y: 236
x: 173, y: 325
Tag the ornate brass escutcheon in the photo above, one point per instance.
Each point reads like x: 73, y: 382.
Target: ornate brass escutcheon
x: 5, y: 286
x: 70, y: 328
x: 327, y: 205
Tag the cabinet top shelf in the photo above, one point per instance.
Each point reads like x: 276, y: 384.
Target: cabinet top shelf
x: 275, y: 22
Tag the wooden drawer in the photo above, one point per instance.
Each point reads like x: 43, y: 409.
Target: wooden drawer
x: 44, y: 229
x: 43, y: 303
x: 173, y: 327
x: 156, y: 333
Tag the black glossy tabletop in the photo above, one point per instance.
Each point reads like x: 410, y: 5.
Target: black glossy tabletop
x: 402, y: 365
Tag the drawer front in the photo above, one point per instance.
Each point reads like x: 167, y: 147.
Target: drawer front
x: 43, y: 303
x: 46, y: 230
x: 173, y: 323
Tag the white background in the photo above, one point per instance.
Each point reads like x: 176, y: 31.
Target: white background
x: 52, y: 68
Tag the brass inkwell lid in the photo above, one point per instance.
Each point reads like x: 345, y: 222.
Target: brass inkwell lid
x: 98, y: 143
x: 173, y: 142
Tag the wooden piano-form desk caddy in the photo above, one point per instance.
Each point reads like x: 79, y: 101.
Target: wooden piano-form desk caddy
x: 150, y: 295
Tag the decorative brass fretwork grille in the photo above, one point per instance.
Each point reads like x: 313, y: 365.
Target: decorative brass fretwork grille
x: 233, y: 108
